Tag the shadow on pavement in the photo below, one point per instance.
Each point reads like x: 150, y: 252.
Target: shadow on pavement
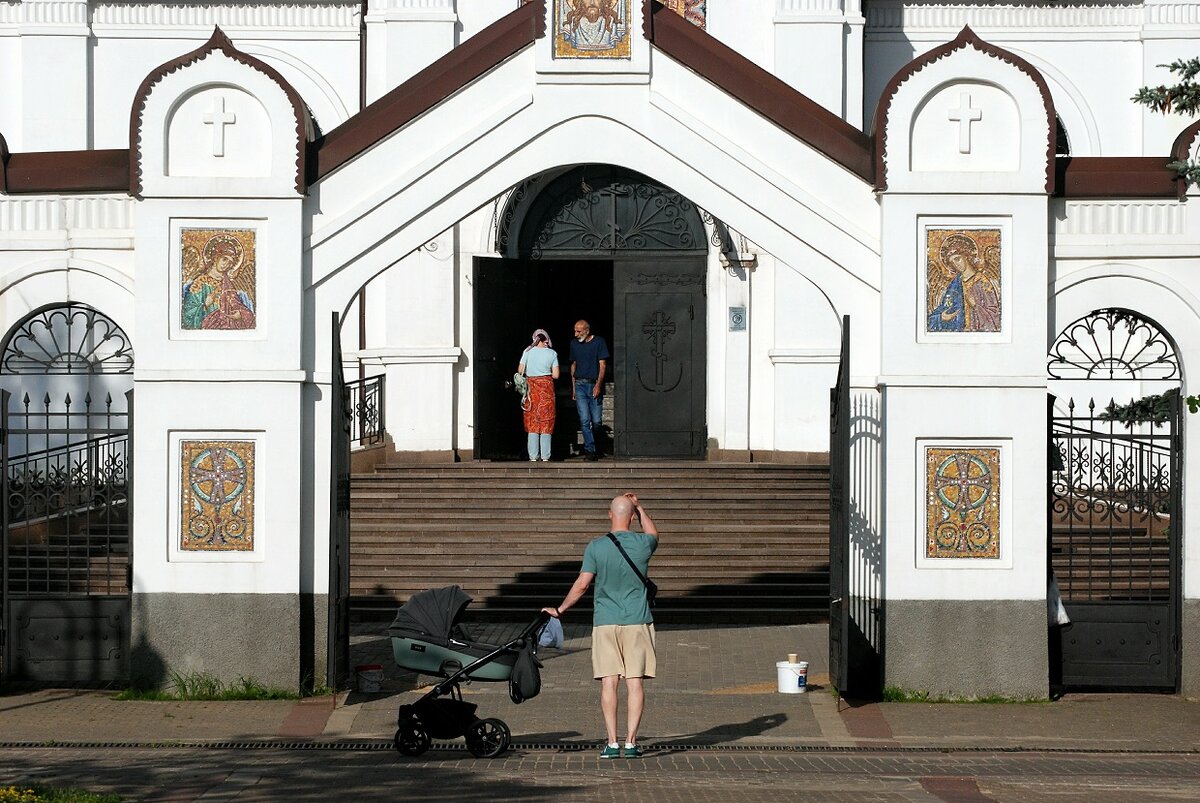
x: 722, y: 734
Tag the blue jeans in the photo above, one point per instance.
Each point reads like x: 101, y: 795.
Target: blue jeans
x: 536, y: 441
x: 590, y: 410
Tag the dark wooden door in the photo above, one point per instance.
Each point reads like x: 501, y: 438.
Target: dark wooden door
x: 659, y: 357
x: 504, y: 308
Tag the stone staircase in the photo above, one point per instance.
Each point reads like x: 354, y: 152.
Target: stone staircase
x: 740, y: 542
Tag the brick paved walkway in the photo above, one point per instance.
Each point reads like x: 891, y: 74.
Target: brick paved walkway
x: 717, y: 688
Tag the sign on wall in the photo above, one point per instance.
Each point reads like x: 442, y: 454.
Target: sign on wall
x: 962, y: 502
x: 219, y: 279
x: 591, y: 29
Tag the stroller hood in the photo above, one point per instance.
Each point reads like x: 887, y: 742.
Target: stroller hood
x: 432, y: 613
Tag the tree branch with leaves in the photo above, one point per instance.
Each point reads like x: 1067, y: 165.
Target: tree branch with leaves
x: 1181, y: 98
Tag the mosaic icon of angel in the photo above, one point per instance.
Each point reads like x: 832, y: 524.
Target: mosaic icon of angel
x: 218, y: 279
x: 593, y: 24
x: 964, y: 281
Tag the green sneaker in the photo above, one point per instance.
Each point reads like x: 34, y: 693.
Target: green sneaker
x: 610, y: 751
x: 633, y: 751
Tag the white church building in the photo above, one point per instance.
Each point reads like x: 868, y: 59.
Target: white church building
x: 952, y: 211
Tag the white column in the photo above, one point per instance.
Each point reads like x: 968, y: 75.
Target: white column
x: 403, y: 38
x: 55, y: 79
x: 818, y: 50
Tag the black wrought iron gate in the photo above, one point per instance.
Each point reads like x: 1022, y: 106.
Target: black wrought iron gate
x: 66, y: 569
x: 1115, y: 506
x: 338, y: 647
x: 839, y: 522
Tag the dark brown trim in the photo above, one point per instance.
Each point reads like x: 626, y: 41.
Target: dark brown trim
x: 67, y: 171
x: 780, y: 103
x: 3, y: 164
x: 446, y: 76
x: 218, y: 41
x: 1181, y: 150
x: 1114, y: 177
x: 966, y: 38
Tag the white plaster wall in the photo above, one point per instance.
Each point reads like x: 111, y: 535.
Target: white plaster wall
x: 1093, y: 57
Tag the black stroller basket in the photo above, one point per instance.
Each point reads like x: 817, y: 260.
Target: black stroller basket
x: 428, y: 638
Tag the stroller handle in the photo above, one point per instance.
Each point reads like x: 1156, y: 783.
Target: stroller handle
x: 537, y: 624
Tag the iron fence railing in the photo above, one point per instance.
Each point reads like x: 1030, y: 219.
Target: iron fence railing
x: 364, y: 405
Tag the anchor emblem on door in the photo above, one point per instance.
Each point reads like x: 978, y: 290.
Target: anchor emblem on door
x: 658, y: 329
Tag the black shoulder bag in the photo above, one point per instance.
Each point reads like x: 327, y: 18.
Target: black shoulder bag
x: 651, y: 586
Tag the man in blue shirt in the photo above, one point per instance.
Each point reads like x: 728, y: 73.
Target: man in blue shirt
x: 622, y: 624
x: 589, y: 363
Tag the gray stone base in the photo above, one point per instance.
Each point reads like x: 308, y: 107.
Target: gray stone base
x: 1189, y: 681
x: 255, y: 636
x: 957, y: 648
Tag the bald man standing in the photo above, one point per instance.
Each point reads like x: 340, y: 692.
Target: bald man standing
x: 622, y: 625
x: 589, y: 363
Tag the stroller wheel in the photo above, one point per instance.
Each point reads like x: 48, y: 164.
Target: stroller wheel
x: 411, y: 739
x: 488, y: 738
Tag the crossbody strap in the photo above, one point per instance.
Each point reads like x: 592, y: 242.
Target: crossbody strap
x: 629, y: 560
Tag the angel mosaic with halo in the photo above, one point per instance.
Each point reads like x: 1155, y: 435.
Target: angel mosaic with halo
x: 963, y: 273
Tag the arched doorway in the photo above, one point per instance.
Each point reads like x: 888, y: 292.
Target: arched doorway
x: 66, y: 373
x: 1115, y: 502
x: 627, y: 254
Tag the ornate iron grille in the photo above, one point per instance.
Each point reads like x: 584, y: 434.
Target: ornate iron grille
x: 67, y: 339
x: 599, y: 210
x: 1113, y: 343
x: 66, y: 473
x: 364, y: 409
x: 1113, y: 506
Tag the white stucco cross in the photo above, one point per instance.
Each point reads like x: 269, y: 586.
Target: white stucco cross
x: 218, y: 118
x: 964, y: 115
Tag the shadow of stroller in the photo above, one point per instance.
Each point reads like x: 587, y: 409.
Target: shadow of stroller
x: 719, y: 734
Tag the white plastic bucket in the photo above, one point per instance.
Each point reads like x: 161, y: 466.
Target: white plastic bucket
x: 370, y: 677
x: 793, y: 677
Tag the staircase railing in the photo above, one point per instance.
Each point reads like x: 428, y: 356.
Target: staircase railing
x: 365, y: 402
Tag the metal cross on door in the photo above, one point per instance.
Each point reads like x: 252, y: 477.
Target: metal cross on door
x: 659, y: 355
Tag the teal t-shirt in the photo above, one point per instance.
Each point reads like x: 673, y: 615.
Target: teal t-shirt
x: 619, y: 596
x: 539, y: 362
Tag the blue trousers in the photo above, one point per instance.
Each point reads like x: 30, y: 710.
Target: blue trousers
x: 536, y: 441
x: 590, y: 410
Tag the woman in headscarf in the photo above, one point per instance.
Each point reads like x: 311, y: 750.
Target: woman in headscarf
x: 539, y: 364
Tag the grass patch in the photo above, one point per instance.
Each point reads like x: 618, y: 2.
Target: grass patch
x: 44, y: 794
x: 203, y: 686
x: 895, y: 694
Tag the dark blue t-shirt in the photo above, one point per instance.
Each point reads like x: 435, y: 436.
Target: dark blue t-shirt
x: 587, y: 357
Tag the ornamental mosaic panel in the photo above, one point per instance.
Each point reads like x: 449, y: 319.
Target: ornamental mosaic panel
x: 694, y: 11
x: 217, y: 490
x: 963, y: 281
x: 218, y: 276
x: 591, y: 29
x: 962, y: 503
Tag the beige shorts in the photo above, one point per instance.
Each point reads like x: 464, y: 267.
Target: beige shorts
x: 625, y: 650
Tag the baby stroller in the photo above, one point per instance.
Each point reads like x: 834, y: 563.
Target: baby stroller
x: 428, y: 638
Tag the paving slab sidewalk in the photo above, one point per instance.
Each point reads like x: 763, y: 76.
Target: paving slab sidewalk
x: 717, y: 687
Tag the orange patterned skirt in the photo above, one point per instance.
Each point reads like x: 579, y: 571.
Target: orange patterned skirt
x: 539, y: 415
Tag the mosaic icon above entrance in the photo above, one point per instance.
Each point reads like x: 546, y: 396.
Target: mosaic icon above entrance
x: 591, y: 29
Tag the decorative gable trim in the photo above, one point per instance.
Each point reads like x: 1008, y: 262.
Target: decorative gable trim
x: 218, y: 42
x: 434, y: 84
x: 775, y: 100
x: 966, y: 38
